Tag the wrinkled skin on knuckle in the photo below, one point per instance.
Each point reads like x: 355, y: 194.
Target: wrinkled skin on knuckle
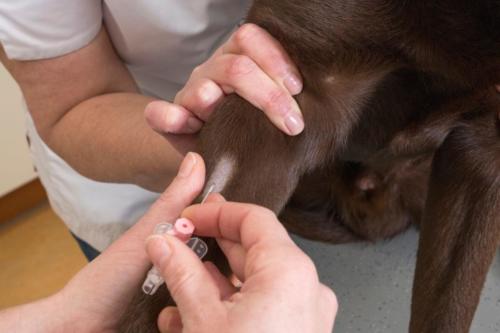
x: 275, y: 99
x: 256, y: 259
x: 293, y: 265
x: 239, y: 66
x: 183, y: 278
x: 253, y: 213
x: 167, y: 198
x: 202, y: 94
x: 245, y: 34
x: 263, y: 213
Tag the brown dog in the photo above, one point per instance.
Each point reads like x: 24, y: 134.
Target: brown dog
x: 402, y: 127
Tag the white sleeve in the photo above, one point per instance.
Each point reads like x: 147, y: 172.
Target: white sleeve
x: 41, y: 29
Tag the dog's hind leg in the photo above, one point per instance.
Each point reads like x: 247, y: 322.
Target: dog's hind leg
x: 460, y: 230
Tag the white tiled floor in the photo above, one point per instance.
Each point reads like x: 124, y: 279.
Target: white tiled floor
x: 373, y: 285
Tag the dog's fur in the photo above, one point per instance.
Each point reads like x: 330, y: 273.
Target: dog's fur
x: 402, y: 127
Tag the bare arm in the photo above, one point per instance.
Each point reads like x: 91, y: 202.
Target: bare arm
x: 87, y: 108
x: 32, y: 317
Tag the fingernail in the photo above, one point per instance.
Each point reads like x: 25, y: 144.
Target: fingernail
x: 294, y: 123
x: 293, y: 84
x: 187, y: 165
x: 158, y: 249
x: 152, y: 115
x: 150, y: 107
x: 194, y: 124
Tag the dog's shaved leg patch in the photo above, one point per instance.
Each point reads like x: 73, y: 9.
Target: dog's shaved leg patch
x: 222, y: 174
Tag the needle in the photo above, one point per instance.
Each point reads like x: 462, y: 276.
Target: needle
x: 210, y: 190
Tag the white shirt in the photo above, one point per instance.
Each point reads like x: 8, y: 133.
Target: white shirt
x: 159, y: 41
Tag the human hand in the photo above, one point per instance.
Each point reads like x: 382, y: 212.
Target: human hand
x: 94, y: 299
x: 251, y: 64
x: 280, y: 291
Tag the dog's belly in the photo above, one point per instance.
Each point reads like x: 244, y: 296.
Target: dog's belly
x: 354, y: 201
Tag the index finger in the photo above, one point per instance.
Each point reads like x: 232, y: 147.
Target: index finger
x: 242, y: 223
x: 269, y: 55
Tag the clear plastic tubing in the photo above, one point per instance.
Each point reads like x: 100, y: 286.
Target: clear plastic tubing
x: 182, y: 229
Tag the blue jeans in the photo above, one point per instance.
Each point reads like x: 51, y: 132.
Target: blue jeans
x: 89, y: 252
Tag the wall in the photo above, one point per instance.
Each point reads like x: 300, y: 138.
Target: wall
x: 16, y: 168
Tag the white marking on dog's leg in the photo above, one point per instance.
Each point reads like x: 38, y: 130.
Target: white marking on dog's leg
x: 222, y: 174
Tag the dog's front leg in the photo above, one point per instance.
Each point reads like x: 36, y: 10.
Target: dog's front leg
x: 249, y: 160
x: 460, y: 230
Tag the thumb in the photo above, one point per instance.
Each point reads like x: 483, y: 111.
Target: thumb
x: 187, y: 279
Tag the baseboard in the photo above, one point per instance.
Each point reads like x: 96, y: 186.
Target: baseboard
x: 21, y: 200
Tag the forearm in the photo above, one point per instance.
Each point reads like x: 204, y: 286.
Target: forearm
x: 32, y: 317
x: 87, y: 108
x: 107, y: 139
